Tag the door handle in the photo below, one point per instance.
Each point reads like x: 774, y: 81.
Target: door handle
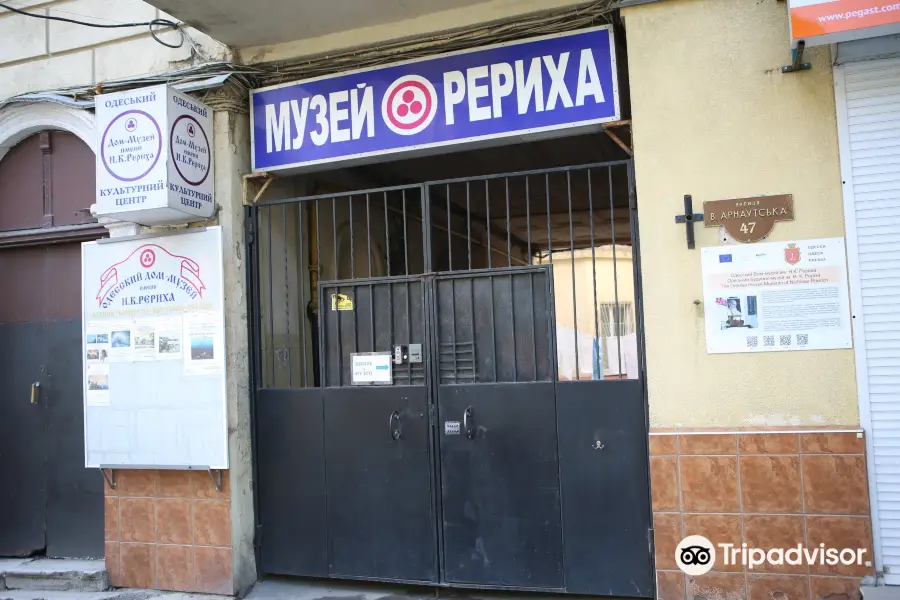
x: 395, y: 431
x: 468, y: 423
x: 35, y: 392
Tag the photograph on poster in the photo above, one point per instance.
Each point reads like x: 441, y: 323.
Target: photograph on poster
x: 143, y: 340
x: 202, y: 348
x: 96, y: 355
x: 121, y: 339
x: 143, y: 334
x: 97, y: 338
x: 97, y: 392
x: 169, y: 344
x: 98, y: 382
x: 168, y: 338
x: 203, y: 339
x: 741, y: 311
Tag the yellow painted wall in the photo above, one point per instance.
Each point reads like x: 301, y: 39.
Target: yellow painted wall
x: 714, y: 117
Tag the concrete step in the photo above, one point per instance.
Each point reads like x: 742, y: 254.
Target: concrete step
x: 53, y: 575
x: 123, y: 594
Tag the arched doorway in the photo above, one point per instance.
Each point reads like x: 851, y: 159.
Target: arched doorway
x: 51, y: 504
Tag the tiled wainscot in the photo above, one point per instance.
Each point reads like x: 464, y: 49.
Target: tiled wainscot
x: 169, y: 530
x: 768, y: 490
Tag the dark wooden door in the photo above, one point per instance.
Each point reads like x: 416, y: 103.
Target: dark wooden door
x: 51, y: 504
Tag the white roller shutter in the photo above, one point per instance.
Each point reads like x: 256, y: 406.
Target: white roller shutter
x: 868, y: 110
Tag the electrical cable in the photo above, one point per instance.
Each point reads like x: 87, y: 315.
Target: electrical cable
x: 149, y: 24
x: 569, y: 19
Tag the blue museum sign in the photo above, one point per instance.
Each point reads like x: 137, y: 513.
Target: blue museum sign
x: 470, y: 97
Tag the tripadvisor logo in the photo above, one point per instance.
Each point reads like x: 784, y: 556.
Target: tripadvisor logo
x: 696, y: 555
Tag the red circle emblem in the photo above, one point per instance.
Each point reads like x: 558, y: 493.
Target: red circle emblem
x: 409, y: 105
x: 148, y: 258
x: 414, y: 103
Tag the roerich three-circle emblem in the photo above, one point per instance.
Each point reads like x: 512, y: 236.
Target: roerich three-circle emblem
x: 409, y: 105
x: 148, y: 258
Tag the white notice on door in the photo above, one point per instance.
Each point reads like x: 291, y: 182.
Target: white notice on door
x: 371, y: 368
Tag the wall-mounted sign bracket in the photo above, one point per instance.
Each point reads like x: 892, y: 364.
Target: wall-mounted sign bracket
x: 216, y: 476
x: 267, y: 179
x: 110, y: 478
x: 688, y: 219
x: 607, y: 129
x: 797, y: 63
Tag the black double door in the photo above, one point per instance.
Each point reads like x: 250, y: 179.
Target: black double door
x: 452, y: 472
x: 454, y: 463
x: 449, y: 473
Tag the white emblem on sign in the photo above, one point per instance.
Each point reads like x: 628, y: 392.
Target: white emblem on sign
x: 409, y: 105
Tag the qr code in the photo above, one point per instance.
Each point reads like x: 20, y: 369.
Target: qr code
x: 802, y: 339
x: 752, y: 341
x: 769, y: 340
x: 784, y: 340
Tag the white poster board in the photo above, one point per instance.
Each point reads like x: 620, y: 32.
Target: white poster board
x: 154, y: 351
x: 776, y: 296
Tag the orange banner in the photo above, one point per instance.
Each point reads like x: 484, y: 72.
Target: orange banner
x: 838, y: 16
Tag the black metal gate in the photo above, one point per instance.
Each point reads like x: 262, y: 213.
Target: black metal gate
x: 497, y: 429
x: 429, y: 405
x: 380, y: 516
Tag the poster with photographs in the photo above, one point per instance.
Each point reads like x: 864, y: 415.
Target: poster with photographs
x: 203, y: 353
x: 144, y: 337
x: 97, y: 386
x: 168, y: 338
x: 121, y: 348
x: 96, y: 347
x: 776, y: 297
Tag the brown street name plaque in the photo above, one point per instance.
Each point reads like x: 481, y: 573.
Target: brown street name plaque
x: 748, y: 219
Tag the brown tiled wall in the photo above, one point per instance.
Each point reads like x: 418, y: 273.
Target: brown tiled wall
x: 770, y: 490
x: 169, y: 530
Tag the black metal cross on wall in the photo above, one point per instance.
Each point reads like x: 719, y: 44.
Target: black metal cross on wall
x: 689, y: 218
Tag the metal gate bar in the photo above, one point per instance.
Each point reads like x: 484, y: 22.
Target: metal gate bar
x: 521, y: 247
x: 461, y: 298
x: 445, y: 220
x: 287, y: 303
x: 336, y: 344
